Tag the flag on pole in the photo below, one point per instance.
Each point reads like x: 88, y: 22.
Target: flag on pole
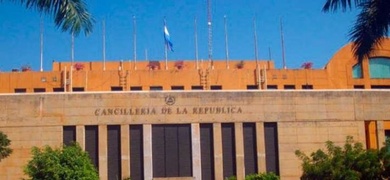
x: 167, y: 39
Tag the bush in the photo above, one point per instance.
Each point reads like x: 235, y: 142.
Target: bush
x: 69, y: 162
x: 5, y: 151
x: 261, y: 176
x: 349, y: 162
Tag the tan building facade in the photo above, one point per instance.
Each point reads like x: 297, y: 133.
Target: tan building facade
x: 189, y: 119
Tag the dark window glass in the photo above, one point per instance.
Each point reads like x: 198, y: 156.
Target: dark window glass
x: 39, y: 90
x: 20, y: 90
x: 197, y: 87
x: 272, y: 87
x: 207, y: 151
x: 271, y: 147
x: 216, y: 87
x: 114, y: 151
x: 307, y: 86
x: 68, y: 134
x: 380, y: 87
x: 116, y: 88
x: 136, y: 152
x: 358, y: 86
x: 177, y: 87
x: 289, y: 86
x: 156, y: 88
x: 136, y: 88
x: 58, y: 89
x: 228, y: 150
x: 78, y: 89
x: 252, y: 87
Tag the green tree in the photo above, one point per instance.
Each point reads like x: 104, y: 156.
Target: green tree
x: 69, y: 162
x: 371, y: 25
x: 69, y: 15
x: 349, y: 162
x: 5, y: 150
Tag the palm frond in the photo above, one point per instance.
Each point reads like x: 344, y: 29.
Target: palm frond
x: 69, y: 15
x: 333, y: 5
x: 371, y: 26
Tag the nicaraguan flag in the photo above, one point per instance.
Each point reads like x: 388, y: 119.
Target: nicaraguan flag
x: 167, y: 39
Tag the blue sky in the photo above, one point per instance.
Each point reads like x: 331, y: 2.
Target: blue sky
x: 309, y: 34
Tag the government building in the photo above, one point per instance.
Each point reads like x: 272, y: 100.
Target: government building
x: 195, y: 119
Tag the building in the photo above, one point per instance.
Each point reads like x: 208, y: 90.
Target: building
x: 207, y: 120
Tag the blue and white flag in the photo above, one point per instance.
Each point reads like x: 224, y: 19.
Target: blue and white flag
x: 167, y: 39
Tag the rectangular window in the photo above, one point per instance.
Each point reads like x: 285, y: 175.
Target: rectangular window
x: 380, y: 87
x: 177, y: 87
x: 156, y: 88
x: 216, y: 87
x: 228, y: 150
x: 358, y: 86
x: 114, y: 151
x: 272, y: 87
x: 289, y: 86
x: 136, y: 88
x: 207, y: 151
x: 307, y: 86
x: 252, y: 87
x: 20, y: 90
x: 78, y: 89
x: 197, y: 87
x: 271, y: 147
x: 39, y: 90
x: 136, y: 152
x: 116, y: 88
x: 92, y: 144
x: 250, y: 148
x: 68, y: 135
x: 58, y: 89
x: 357, y: 71
x: 171, y: 150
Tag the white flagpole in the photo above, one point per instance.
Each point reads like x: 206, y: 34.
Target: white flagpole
x: 226, y: 43
x: 196, y: 44
x: 255, y: 39
x: 166, y: 48
x: 72, y: 48
x: 282, y: 37
x: 210, y: 46
x: 41, y: 44
x: 104, y: 45
x: 135, y: 43
x: 146, y: 54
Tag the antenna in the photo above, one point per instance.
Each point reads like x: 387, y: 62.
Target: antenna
x: 255, y: 39
x: 72, y: 48
x: 41, y: 43
x: 104, y: 45
x: 282, y: 37
x: 226, y: 43
x: 196, y: 44
x: 210, y: 46
x: 135, y: 42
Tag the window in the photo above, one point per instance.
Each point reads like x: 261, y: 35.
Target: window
x: 177, y: 87
x: 357, y: 71
x: 197, y: 87
x: 39, y: 90
x: 380, y: 87
x: 136, y: 88
x: 379, y: 67
x: 289, y: 86
x: 272, y: 87
x: 20, y: 90
x: 307, y: 86
x: 58, y: 89
x: 77, y: 89
x: 156, y: 88
x: 116, y: 88
x: 358, y: 86
x: 216, y: 87
x: 252, y: 87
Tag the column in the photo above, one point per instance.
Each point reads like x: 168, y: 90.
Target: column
x: 218, y: 159
x: 196, y: 154
x: 148, y: 159
x: 380, y: 133
x: 103, y: 171
x: 239, y: 141
x: 260, y: 147
x: 80, y: 136
x: 125, y: 151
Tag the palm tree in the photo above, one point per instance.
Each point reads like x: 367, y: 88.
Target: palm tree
x: 371, y: 26
x: 69, y: 15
